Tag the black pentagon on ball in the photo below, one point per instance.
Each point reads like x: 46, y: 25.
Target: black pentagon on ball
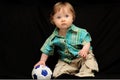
x: 35, y: 76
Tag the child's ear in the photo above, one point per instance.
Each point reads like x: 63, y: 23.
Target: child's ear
x: 52, y: 22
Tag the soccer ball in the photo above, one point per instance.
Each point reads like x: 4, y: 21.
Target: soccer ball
x: 41, y: 72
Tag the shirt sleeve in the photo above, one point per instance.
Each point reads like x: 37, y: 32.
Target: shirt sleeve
x: 48, y: 47
x: 86, y: 36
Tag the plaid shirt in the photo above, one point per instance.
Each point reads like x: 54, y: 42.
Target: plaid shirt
x: 68, y: 46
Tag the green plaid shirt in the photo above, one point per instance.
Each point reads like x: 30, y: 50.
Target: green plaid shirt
x: 68, y: 46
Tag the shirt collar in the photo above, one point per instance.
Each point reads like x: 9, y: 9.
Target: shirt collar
x: 71, y: 28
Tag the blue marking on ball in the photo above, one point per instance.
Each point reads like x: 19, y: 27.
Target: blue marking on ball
x: 37, y: 66
x: 44, y: 73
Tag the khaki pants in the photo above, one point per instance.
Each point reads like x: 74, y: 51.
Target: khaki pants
x: 79, y: 67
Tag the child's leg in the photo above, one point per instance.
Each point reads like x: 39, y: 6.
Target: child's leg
x: 63, y: 68
x: 88, y: 65
x: 85, y: 72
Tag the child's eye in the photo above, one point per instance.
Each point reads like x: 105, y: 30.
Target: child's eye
x: 66, y: 15
x: 58, y: 17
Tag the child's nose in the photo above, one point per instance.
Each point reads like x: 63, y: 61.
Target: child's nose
x: 63, y: 19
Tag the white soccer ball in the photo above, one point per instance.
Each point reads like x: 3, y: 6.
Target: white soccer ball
x: 41, y: 72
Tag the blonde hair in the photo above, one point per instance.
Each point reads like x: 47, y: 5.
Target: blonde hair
x: 60, y: 5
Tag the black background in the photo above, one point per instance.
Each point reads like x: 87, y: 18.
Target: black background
x: 24, y: 26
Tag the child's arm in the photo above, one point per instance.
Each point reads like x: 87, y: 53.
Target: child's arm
x: 84, y: 51
x: 43, y: 59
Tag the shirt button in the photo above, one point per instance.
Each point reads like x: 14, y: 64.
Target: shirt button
x: 66, y: 51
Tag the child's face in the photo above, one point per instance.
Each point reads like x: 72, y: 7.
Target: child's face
x: 63, y: 18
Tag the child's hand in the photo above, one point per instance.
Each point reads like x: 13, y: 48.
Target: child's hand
x: 83, y: 53
x: 40, y: 63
